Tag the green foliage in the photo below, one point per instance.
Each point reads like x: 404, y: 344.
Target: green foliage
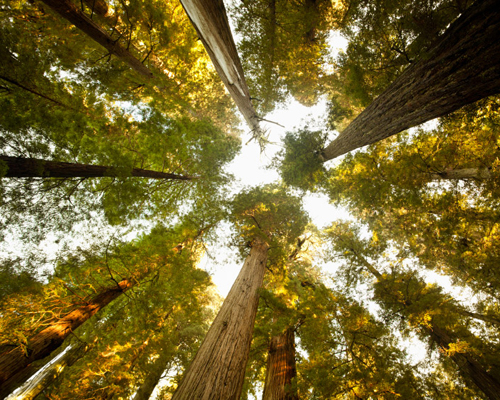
x: 270, y: 214
x: 300, y: 162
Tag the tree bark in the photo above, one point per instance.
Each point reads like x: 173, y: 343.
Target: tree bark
x: 70, y: 12
x: 209, y: 18
x: 49, y: 373
x: 467, y: 365
x: 218, y: 369
x: 49, y: 339
x: 31, y: 167
x: 462, y: 67
x: 154, y: 375
x: 463, y: 173
x: 281, y: 368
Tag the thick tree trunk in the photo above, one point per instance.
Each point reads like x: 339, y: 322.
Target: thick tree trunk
x: 281, y: 368
x: 463, y: 66
x: 464, y: 173
x: 468, y: 366
x: 209, y: 18
x: 70, y: 12
x: 218, y: 370
x: 49, y: 339
x: 36, y: 168
x: 49, y: 373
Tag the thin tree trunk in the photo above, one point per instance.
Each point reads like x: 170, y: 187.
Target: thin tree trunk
x: 209, y: 18
x: 49, y: 339
x: 468, y: 365
x: 481, y: 317
x: 49, y: 373
x: 31, y: 167
x: 153, y: 377
x: 463, y: 66
x: 218, y: 369
x: 70, y: 12
x: 281, y: 368
x: 464, y: 173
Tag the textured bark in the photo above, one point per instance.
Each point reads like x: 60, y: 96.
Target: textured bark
x: 218, y: 370
x: 209, y: 18
x: 281, y: 368
x: 464, y: 173
x: 463, y: 66
x: 468, y: 365
x: 49, y: 373
x: 31, y: 167
x: 49, y: 339
x: 70, y: 12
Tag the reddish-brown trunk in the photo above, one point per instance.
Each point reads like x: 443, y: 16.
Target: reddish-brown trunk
x: 469, y: 367
x: 49, y: 339
x: 218, y: 370
x: 31, y: 167
x: 462, y: 67
x: 281, y: 368
x: 70, y: 12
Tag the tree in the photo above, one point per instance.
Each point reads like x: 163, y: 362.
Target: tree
x: 268, y: 220
x: 18, y: 167
x: 280, y: 369
x: 406, y: 295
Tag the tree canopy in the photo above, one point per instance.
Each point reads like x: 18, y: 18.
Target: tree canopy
x: 119, y: 129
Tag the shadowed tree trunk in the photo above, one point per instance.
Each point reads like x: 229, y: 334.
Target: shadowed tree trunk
x: 281, y: 368
x: 464, y: 173
x: 36, y: 168
x: 469, y: 367
x: 462, y: 67
x: 49, y: 339
x: 49, y: 373
x: 70, y: 12
x: 154, y: 375
x: 218, y: 369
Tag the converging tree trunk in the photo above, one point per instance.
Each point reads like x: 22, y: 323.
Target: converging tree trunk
x: 281, y: 368
x: 218, y: 369
x: 31, y: 167
x: 463, y: 173
x: 49, y: 373
x: 463, y: 66
x: 153, y: 377
x: 466, y: 363
x: 209, y: 18
x: 50, y: 338
x: 70, y: 12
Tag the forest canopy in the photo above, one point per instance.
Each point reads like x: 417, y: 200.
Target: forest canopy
x: 122, y: 124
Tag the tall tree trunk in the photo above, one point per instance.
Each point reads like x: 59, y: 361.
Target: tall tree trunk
x: 281, y: 368
x: 70, y: 12
x: 49, y: 339
x: 218, y: 370
x: 153, y: 377
x: 463, y: 173
x: 469, y: 367
x: 49, y: 373
x: 463, y: 66
x: 32, y: 167
x: 209, y: 18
